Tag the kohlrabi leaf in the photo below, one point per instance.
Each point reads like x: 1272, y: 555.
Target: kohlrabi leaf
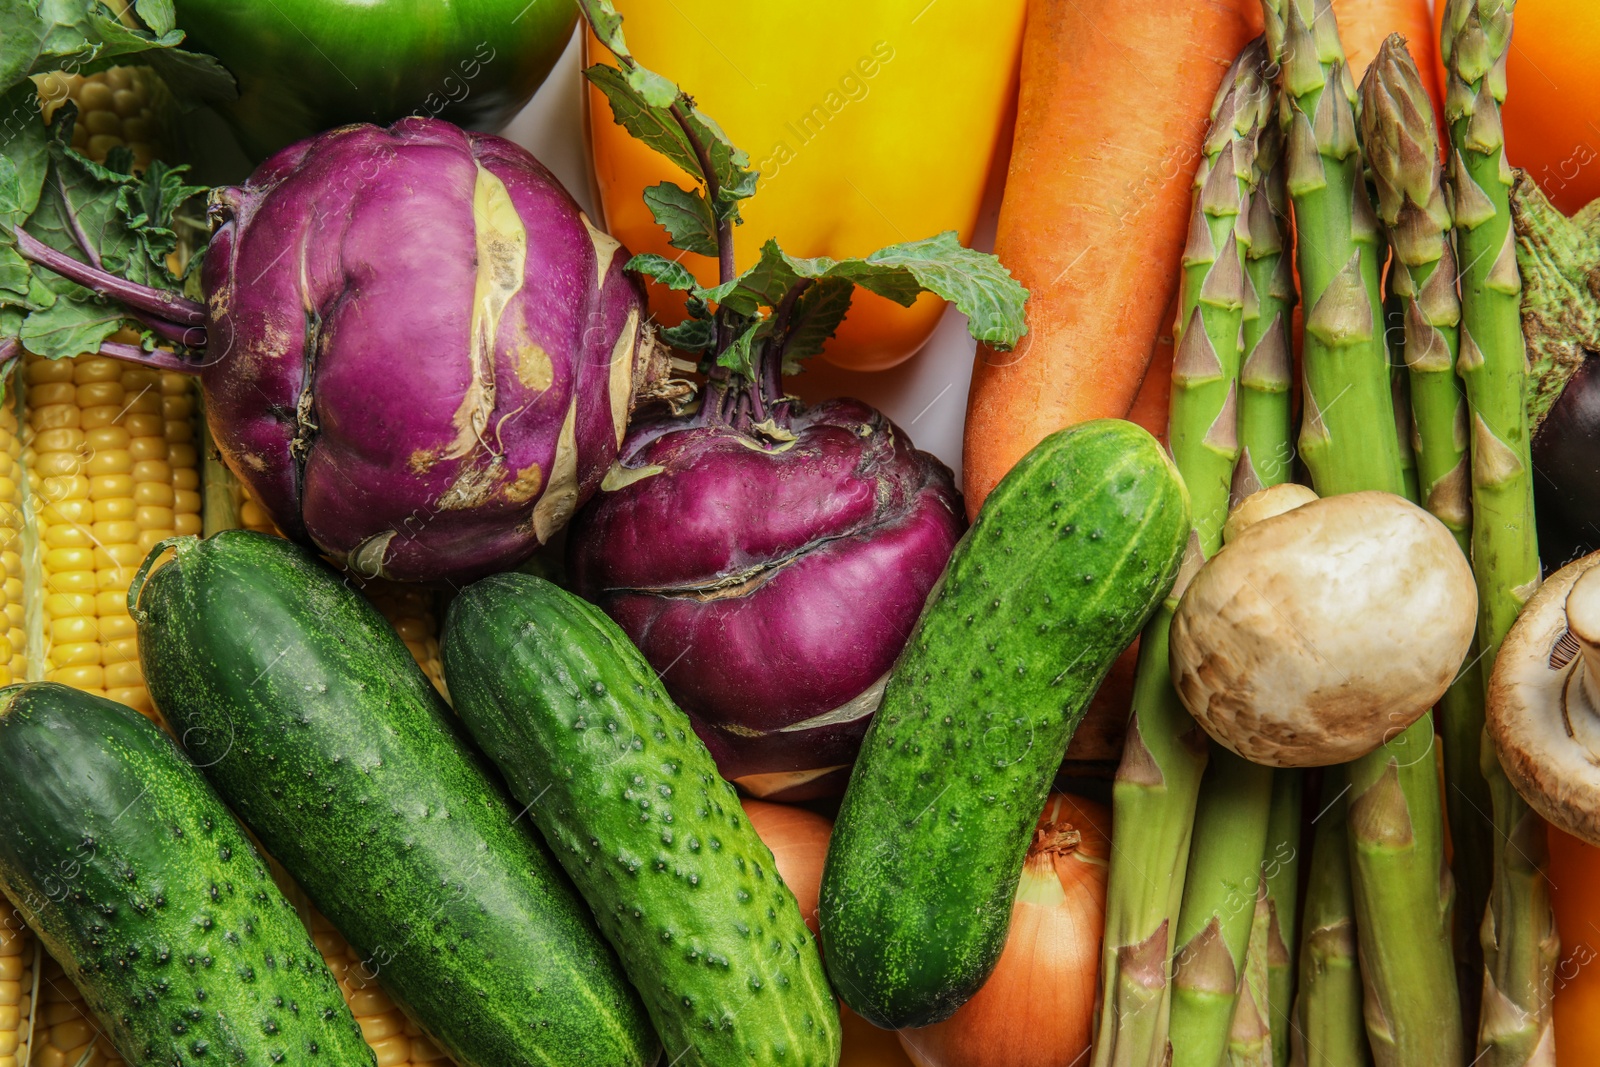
x: 668, y: 272
x: 104, y: 215
x: 157, y: 14
x: 24, y: 158
x: 739, y: 357
x: 686, y: 217
x: 653, y: 109
x: 815, y: 318
x: 75, y: 323
x: 691, y: 335
x: 975, y: 282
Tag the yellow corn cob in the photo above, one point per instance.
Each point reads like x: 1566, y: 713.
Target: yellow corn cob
x: 19, y: 966
x: 178, y: 395
x: 104, y: 494
x: 395, y: 1038
x: 410, y: 610
x: 118, y: 106
x: 13, y: 649
x: 65, y: 1034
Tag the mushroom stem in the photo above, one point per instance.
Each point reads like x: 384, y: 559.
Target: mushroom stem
x: 1583, y: 622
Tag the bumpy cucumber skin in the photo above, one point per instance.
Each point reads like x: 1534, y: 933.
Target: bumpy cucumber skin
x: 1068, y: 558
x: 313, y: 721
x: 632, y: 804
x: 136, y: 877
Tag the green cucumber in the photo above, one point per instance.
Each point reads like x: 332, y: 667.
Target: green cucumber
x: 1069, y: 556
x: 307, y: 713
x: 631, y: 802
x: 139, y: 881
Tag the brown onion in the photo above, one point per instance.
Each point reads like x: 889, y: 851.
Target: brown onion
x: 799, y: 842
x: 1037, y: 1008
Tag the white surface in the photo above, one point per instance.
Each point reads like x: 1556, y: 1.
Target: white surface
x: 926, y: 395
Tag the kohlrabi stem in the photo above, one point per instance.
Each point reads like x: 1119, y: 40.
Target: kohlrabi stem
x: 1519, y: 938
x: 160, y: 303
x: 725, y: 270
x: 155, y: 359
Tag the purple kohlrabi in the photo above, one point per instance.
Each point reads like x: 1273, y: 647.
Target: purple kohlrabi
x: 771, y: 573
x: 419, y: 355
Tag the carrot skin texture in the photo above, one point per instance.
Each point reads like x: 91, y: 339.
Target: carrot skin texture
x: 1096, y: 210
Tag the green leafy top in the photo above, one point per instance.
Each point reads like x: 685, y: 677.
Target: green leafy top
x: 83, y: 36
x: 783, y: 308
x: 104, y: 215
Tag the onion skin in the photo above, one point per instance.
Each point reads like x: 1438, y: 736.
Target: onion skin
x: 345, y: 283
x: 798, y: 839
x: 1037, y: 1008
x: 770, y: 582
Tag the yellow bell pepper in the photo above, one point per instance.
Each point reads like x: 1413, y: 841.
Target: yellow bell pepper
x: 870, y: 124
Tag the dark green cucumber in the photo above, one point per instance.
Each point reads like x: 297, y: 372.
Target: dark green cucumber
x: 315, y: 724
x: 632, y: 804
x: 139, y: 881
x: 1069, y: 556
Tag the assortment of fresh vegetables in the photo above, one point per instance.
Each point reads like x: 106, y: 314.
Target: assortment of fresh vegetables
x: 1356, y: 796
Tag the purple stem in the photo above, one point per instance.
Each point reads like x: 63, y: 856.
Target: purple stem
x: 159, y: 359
x: 188, y: 336
x: 168, y: 306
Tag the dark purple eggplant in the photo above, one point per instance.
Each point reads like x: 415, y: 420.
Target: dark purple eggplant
x: 1559, y: 258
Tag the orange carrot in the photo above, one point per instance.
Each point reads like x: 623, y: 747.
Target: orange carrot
x: 1113, y: 104
x: 1152, y: 403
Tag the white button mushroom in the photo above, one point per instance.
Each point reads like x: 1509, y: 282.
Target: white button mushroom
x: 1544, y: 700
x: 1319, y: 632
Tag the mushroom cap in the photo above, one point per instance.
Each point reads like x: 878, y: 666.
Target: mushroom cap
x: 1317, y: 634
x: 1541, y: 708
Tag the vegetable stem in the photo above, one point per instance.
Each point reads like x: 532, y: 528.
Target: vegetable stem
x: 1399, y: 882
x: 1403, y: 151
x: 1327, y: 1028
x: 1519, y: 937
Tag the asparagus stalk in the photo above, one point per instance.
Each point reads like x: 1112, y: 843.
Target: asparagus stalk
x: 1164, y: 756
x: 1399, y: 880
x: 1250, y: 1036
x: 1519, y: 938
x: 1281, y: 869
x: 1327, y: 1027
x: 1403, y: 151
x: 1266, y: 458
x: 1230, y: 820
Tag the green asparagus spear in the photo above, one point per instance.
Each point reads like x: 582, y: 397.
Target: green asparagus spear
x: 1402, y: 148
x: 1266, y: 458
x: 1519, y: 938
x: 1250, y: 1036
x: 1281, y: 868
x: 1327, y: 1009
x: 1230, y: 819
x: 1347, y: 438
x: 1164, y: 755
